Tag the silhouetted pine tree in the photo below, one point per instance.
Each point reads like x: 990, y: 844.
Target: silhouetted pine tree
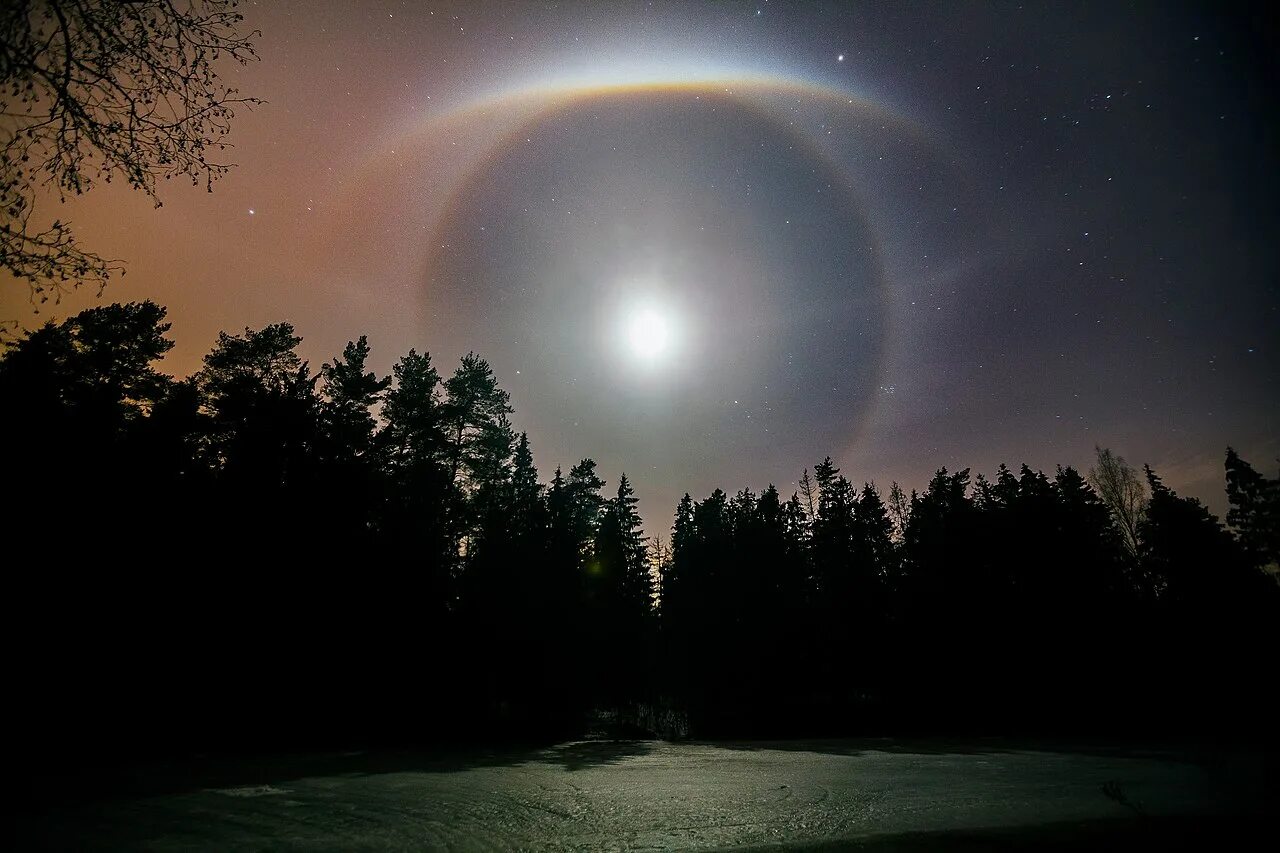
x: 262, y: 402
x: 899, y: 507
x: 834, y: 531
x: 1255, y: 511
x: 417, y: 542
x: 474, y: 415
x: 352, y: 483
x: 875, y: 561
x: 943, y: 582
x: 620, y: 594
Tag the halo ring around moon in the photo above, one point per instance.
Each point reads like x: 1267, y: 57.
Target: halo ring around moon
x: 559, y: 103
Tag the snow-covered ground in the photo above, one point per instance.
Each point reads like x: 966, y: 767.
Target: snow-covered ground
x: 601, y: 795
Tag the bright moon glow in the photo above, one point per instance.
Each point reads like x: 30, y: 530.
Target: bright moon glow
x: 648, y: 333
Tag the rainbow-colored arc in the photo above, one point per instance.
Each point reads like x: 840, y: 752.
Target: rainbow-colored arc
x: 768, y: 93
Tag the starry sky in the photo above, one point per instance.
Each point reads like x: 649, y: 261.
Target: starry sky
x: 903, y: 235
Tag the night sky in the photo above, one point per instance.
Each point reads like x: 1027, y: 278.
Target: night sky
x: 710, y: 243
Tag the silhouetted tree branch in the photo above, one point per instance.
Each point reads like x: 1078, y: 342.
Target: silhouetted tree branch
x: 92, y: 90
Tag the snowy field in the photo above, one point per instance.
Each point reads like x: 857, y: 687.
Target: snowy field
x: 645, y: 795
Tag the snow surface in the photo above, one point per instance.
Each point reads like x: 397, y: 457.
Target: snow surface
x: 628, y: 795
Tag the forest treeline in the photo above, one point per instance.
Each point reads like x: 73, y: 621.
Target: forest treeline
x: 261, y: 554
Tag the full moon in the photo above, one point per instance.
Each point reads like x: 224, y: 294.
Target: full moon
x: 648, y: 334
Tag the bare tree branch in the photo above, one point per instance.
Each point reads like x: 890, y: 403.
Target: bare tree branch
x: 1123, y: 491
x: 92, y: 90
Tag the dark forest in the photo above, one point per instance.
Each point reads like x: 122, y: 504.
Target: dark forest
x: 263, y: 554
